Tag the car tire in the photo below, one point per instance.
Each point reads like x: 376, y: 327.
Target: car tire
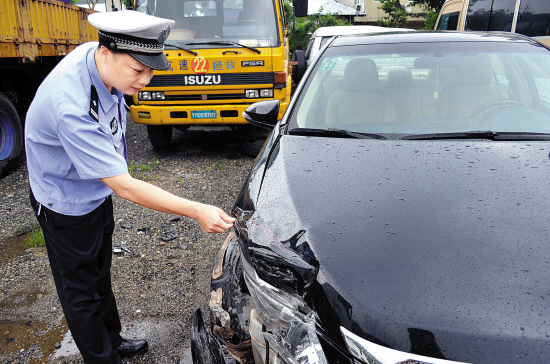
x: 11, y: 136
x: 299, y: 69
x: 160, y: 136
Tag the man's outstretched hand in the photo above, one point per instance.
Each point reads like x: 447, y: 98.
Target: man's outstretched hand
x: 213, y: 219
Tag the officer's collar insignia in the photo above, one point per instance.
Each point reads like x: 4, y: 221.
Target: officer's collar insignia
x: 114, y: 126
x: 94, y: 105
x: 163, y: 35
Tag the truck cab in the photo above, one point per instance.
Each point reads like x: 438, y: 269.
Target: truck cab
x: 224, y: 55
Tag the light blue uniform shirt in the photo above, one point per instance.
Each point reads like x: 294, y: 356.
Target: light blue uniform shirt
x: 72, y: 143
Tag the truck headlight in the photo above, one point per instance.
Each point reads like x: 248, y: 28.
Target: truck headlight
x: 252, y: 94
x: 262, y: 93
x: 289, y: 321
x: 157, y: 95
x: 144, y: 96
x: 372, y: 353
x: 148, y: 95
x: 268, y: 92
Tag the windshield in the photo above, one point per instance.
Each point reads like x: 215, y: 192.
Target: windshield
x: 248, y: 22
x: 422, y: 88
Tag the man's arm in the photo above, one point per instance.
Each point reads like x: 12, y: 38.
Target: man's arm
x: 211, y: 218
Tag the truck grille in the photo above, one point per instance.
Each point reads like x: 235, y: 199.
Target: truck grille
x: 208, y: 97
x: 219, y: 79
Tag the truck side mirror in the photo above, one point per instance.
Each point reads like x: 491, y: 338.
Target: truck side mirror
x: 263, y: 113
x: 300, y: 8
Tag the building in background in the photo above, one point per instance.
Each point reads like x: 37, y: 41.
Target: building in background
x: 101, y: 5
x: 364, y: 12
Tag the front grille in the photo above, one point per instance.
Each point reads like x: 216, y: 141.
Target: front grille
x: 208, y: 97
x: 223, y: 78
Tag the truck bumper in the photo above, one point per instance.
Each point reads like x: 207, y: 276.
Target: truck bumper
x: 192, y: 114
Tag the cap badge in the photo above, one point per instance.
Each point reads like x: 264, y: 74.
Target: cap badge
x: 163, y: 35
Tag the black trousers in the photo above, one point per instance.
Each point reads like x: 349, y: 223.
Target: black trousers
x: 80, y: 254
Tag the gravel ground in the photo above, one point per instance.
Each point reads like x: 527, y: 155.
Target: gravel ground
x: 158, y: 284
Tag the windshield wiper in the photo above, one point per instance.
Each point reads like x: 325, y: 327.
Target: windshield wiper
x: 183, y: 49
x: 480, y: 134
x: 226, y: 42
x: 339, y: 133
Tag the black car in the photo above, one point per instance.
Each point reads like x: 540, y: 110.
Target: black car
x: 398, y: 213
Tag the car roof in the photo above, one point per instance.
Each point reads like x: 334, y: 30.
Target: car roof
x: 430, y: 36
x: 351, y: 29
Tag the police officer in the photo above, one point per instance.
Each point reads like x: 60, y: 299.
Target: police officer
x: 76, y: 158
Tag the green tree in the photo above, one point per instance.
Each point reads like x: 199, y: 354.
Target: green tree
x: 128, y: 4
x: 304, y: 27
x: 430, y: 10
x: 435, y: 5
x: 431, y: 18
x: 397, y: 16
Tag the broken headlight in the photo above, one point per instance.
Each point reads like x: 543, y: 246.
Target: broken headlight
x: 372, y: 353
x: 290, y: 324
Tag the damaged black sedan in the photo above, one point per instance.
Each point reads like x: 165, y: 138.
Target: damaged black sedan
x: 398, y: 213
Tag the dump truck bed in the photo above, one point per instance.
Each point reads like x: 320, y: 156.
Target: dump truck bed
x: 42, y: 28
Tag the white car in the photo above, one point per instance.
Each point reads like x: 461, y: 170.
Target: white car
x: 323, y: 34
x: 301, y: 60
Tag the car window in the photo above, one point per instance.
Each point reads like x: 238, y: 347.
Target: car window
x: 324, y: 40
x: 495, y: 15
x: 448, y: 21
x: 477, y: 17
x: 534, y: 18
x: 541, y: 77
x: 308, y: 49
x: 439, y: 87
x: 502, y: 14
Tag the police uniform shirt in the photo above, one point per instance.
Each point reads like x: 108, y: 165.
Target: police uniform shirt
x: 74, y: 135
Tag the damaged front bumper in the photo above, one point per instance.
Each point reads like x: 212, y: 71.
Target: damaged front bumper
x: 251, y: 320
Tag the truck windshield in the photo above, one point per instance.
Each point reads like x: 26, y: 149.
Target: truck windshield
x: 248, y: 22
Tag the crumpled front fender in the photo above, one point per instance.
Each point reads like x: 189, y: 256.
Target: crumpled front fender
x: 205, y: 347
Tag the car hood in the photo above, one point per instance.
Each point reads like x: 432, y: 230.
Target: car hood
x: 438, y: 248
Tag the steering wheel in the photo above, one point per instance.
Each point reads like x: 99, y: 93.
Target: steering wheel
x: 247, y: 21
x: 490, y: 105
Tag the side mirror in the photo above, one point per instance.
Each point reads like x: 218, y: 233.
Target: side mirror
x: 263, y: 113
x: 300, y: 8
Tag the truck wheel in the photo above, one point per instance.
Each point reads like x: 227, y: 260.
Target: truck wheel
x: 11, y: 136
x: 160, y: 136
x: 299, y: 69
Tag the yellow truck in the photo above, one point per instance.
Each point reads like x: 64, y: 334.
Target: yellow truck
x: 224, y: 55
x: 34, y: 36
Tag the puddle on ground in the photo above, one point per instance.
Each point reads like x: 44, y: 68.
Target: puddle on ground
x: 68, y: 346
x: 28, y: 336
x: 35, y: 342
x: 12, y: 248
x: 16, y: 336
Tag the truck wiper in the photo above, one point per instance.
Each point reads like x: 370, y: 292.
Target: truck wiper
x: 183, y: 49
x: 480, y: 134
x: 226, y: 42
x: 339, y: 133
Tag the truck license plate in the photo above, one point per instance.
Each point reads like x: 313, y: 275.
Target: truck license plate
x: 203, y: 114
